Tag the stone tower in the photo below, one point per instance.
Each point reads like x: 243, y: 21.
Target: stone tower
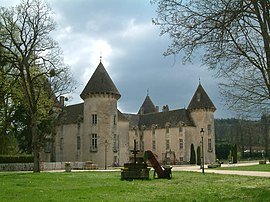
x: 147, y: 106
x: 100, y: 116
x: 202, y: 110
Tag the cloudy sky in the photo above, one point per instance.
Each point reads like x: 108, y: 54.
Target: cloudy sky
x: 121, y: 31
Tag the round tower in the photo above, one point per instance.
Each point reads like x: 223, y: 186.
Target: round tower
x: 201, y: 110
x: 100, y: 97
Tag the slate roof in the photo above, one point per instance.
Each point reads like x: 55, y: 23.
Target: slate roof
x: 201, y: 100
x: 100, y: 82
x: 147, y: 106
x: 174, y: 117
x: 72, y: 114
x: 150, y: 117
x: 133, y: 119
x: 121, y: 116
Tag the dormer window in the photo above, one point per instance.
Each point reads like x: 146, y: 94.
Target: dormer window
x: 198, y: 97
x: 167, y: 127
x: 180, y: 129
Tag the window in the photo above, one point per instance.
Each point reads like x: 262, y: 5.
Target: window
x: 137, y: 144
x: 93, y: 142
x: 209, y: 145
x: 153, y: 131
x: 153, y: 136
x: 181, y: 159
x: 153, y: 144
x: 142, y: 145
x: 94, y: 119
x: 180, y: 129
x: 136, y: 133
x: 153, y: 139
x: 209, y: 127
x: 115, y: 161
x: 114, y: 120
x: 167, y: 129
x: 48, y: 146
x: 78, y: 142
x: 61, y: 143
x: 180, y: 143
x: 114, y: 141
x: 167, y: 144
x: 142, y: 136
x: 115, y: 147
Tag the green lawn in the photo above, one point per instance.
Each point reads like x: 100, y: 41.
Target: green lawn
x: 107, y: 186
x: 259, y: 167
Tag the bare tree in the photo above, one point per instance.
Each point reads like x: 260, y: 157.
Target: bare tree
x: 35, y: 58
x: 234, y: 38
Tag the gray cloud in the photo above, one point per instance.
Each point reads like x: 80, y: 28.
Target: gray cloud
x: 121, y: 31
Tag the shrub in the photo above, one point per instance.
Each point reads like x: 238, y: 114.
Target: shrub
x: 16, y: 159
x: 223, y: 150
x: 199, y: 160
x: 192, y: 155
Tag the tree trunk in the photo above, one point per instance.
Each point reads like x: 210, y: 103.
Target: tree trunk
x: 266, y: 137
x: 35, y: 143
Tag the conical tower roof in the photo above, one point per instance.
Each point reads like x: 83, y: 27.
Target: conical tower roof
x: 100, y: 82
x: 201, y: 100
x: 147, y: 106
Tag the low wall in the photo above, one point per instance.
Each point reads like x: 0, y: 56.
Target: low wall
x: 16, y: 166
x: 43, y: 166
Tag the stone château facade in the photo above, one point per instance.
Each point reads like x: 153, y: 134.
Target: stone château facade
x: 97, y: 131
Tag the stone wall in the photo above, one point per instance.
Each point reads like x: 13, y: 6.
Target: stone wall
x: 16, y: 166
x: 44, y: 166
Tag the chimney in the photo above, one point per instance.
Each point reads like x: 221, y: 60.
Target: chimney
x: 165, y: 108
x: 62, y: 101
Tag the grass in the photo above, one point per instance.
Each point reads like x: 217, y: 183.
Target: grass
x: 259, y: 167
x: 107, y: 186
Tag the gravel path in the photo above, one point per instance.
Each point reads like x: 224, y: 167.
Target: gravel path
x: 226, y: 172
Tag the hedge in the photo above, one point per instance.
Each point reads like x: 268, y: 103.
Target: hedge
x: 16, y: 159
x: 192, y: 155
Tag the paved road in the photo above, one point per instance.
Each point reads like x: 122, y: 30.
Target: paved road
x: 230, y: 172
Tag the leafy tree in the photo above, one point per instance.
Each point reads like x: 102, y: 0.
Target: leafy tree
x: 8, y: 89
x: 35, y: 58
x: 192, y: 155
x: 22, y: 129
x: 234, y: 153
x: 234, y: 39
x: 248, y: 134
x: 223, y: 151
x: 199, y: 160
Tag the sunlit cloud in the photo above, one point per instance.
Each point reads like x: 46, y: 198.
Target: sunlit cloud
x: 135, y: 30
